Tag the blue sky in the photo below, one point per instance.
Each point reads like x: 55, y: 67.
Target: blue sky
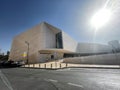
x: 71, y: 16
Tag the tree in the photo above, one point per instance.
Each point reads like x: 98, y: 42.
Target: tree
x: 4, y: 57
x: 8, y: 52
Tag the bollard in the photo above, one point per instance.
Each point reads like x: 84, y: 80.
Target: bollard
x: 51, y: 65
x: 60, y: 65
x: 33, y: 65
x: 39, y: 65
x: 66, y: 64
x: 45, y: 65
x: 29, y: 65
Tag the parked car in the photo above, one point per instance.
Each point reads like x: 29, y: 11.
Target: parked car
x: 9, y: 63
x: 1, y: 63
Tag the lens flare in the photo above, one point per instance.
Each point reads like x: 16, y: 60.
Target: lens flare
x: 109, y: 10
x: 101, y: 18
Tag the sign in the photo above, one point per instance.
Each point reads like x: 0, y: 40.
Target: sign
x: 24, y: 54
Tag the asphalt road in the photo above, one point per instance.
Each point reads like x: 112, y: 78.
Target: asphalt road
x: 64, y: 79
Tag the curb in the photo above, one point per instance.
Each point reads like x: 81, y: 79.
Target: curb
x: 73, y: 67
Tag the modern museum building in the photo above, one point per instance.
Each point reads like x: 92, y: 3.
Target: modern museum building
x: 45, y: 42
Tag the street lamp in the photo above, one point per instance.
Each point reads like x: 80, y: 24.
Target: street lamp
x: 113, y: 49
x: 27, y: 51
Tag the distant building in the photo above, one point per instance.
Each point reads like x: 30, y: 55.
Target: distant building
x: 47, y: 42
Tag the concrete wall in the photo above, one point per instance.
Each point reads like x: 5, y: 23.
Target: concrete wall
x: 105, y: 59
x: 48, y: 34
x: 19, y: 46
x: 93, y: 48
x: 69, y: 43
x: 39, y: 37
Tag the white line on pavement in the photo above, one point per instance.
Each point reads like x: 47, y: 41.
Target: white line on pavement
x: 51, y: 80
x: 5, y: 80
x: 77, y: 85
x: 72, y: 84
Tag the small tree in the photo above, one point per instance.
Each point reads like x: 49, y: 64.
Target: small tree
x: 4, y: 57
x: 8, y: 52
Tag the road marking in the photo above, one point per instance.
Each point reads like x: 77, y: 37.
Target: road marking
x: 51, y: 80
x: 5, y: 80
x: 77, y: 85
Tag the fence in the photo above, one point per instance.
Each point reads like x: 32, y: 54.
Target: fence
x: 47, y: 65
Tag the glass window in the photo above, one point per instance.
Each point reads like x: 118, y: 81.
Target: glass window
x: 59, y: 42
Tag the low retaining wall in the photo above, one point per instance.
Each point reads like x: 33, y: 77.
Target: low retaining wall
x: 104, y: 59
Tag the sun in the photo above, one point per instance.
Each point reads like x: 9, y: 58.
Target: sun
x: 101, y: 18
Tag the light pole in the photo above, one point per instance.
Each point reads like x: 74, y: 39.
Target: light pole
x: 27, y: 51
x: 114, y: 51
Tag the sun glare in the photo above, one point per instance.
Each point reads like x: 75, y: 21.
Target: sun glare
x: 101, y: 18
